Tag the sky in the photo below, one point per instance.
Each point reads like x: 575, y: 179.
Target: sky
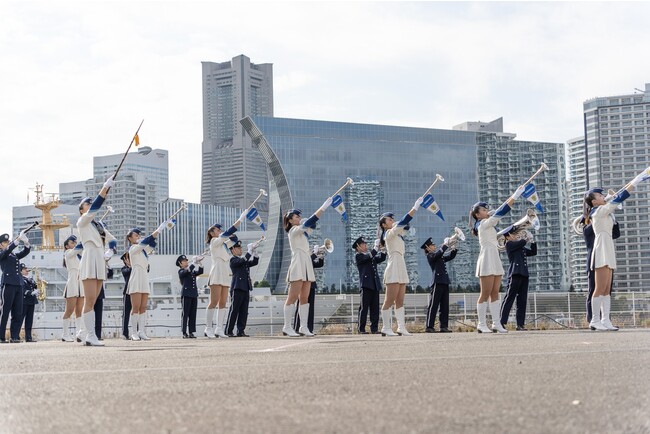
x: 76, y: 78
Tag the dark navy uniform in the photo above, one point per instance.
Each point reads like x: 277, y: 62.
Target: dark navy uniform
x: 316, y: 262
x: 369, y: 286
x: 240, y: 289
x: 126, y: 312
x: 590, y: 236
x: 189, y: 296
x: 11, y: 300
x: 30, y: 290
x: 439, y: 288
x: 517, y: 280
x: 99, y: 308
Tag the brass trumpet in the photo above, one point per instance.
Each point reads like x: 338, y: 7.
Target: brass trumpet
x: 452, y: 242
x: 41, y: 285
x: 257, y: 243
x: 327, y: 247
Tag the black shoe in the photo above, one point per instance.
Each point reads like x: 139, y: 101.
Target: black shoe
x: 191, y: 336
x: 363, y: 332
x: 126, y: 337
x: 242, y: 335
x: 3, y: 341
x: 100, y: 339
x: 14, y: 341
x: 444, y: 330
x: 430, y: 330
x: 31, y: 340
x: 230, y: 335
x: 522, y: 329
x: 186, y: 336
x: 374, y: 332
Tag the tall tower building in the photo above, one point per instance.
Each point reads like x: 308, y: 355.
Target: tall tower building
x: 617, y: 130
x: 577, y: 186
x: 233, y: 171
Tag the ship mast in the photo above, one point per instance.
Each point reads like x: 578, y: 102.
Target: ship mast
x: 48, y: 225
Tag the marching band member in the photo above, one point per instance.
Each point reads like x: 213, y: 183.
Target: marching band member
x: 317, y: 261
x: 73, y: 292
x: 189, y: 295
x: 369, y: 283
x: 11, y: 285
x: 439, y: 289
x: 126, y: 298
x: 517, y: 275
x: 489, y: 269
x: 301, y: 270
x: 138, y: 289
x: 92, y: 268
x: 603, y: 258
x: 219, y: 279
x: 30, y: 291
x: 240, y: 287
x: 395, y: 276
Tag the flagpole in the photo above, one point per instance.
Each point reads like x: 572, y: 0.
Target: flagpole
x: 127, y: 151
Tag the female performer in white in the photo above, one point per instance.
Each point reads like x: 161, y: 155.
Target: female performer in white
x: 220, y: 276
x: 92, y: 268
x: 138, y: 288
x: 489, y: 269
x: 396, y: 278
x: 74, y: 291
x: 603, y: 257
x: 301, y: 270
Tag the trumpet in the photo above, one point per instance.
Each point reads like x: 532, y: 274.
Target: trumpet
x: 520, y: 228
x: 327, y: 247
x: 257, y: 243
x: 452, y: 242
x: 41, y: 285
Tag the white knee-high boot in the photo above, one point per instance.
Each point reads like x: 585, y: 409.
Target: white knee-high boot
x: 303, y: 312
x: 481, y: 309
x: 596, y: 323
x: 222, y: 316
x: 142, y: 322
x: 607, y: 306
x: 81, y: 332
x: 66, y: 331
x: 134, y: 323
x: 495, y: 311
x: 387, y: 323
x: 89, y: 322
x: 209, y: 315
x: 287, y: 330
x: 401, y: 322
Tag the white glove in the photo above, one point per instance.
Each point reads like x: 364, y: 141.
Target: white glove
x: 446, y: 241
x: 326, y: 204
x: 418, y: 202
x: 249, y: 248
x: 242, y: 217
x: 22, y: 237
x: 162, y: 226
x: 109, y: 182
x: 34, y: 292
x: 315, y: 250
x: 376, y: 246
x: 518, y: 192
x: 641, y: 177
x: 108, y: 254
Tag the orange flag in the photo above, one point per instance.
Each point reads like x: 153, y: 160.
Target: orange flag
x: 137, y: 140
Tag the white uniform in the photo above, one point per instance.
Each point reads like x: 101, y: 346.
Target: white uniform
x: 93, y: 264
x: 73, y: 286
x: 301, y: 267
x: 396, y: 266
x: 602, y: 222
x: 489, y: 262
x: 220, y: 273
x: 139, y: 280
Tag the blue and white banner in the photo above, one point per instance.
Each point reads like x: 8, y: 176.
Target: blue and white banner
x: 254, y: 217
x: 430, y: 203
x: 339, y: 206
x: 531, y: 195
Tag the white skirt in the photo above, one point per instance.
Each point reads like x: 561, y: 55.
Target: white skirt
x: 73, y: 287
x: 396, y: 270
x: 489, y: 263
x: 220, y: 273
x: 138, y: 282
x: 92, y: 265
x: 604, y: 253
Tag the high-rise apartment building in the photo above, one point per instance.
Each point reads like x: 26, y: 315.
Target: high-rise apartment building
x: 576, y: 186
x: 617, y: 132
x: 233, y: 170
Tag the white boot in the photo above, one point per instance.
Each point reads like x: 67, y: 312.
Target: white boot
x: 596, y: 323
x: 222, y: 316
x: 607, y: 306
x: 387, y: 323
x: 401, y: 322
x: 209, y: 315
x: 142, y: 320
x: 81, y: 332
x: 482, y: 327
x: 495, y: 311
x: 89, y: 323
x: 287, y: 330
x: 303, y: 312
x: 67, y: 337
x: 133, y: 323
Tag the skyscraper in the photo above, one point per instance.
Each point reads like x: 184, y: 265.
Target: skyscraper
x: 576, y: 187
x: 233, y: 170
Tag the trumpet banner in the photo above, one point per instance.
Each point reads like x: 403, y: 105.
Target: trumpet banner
x: 254, y: 217
x: 339, y: 206
x: 531, y: 195
x: 429, y: 203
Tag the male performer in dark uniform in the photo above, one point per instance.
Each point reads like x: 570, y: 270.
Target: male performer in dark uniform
x: 439, y: 289
x: 517, y: 276
x: 126, y: 313
x: 240, y: 287
x: 30, y: 291
x: 317, y: 261
x: 369, y: 283
x: 11, y: 299
x: 189, y: 295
